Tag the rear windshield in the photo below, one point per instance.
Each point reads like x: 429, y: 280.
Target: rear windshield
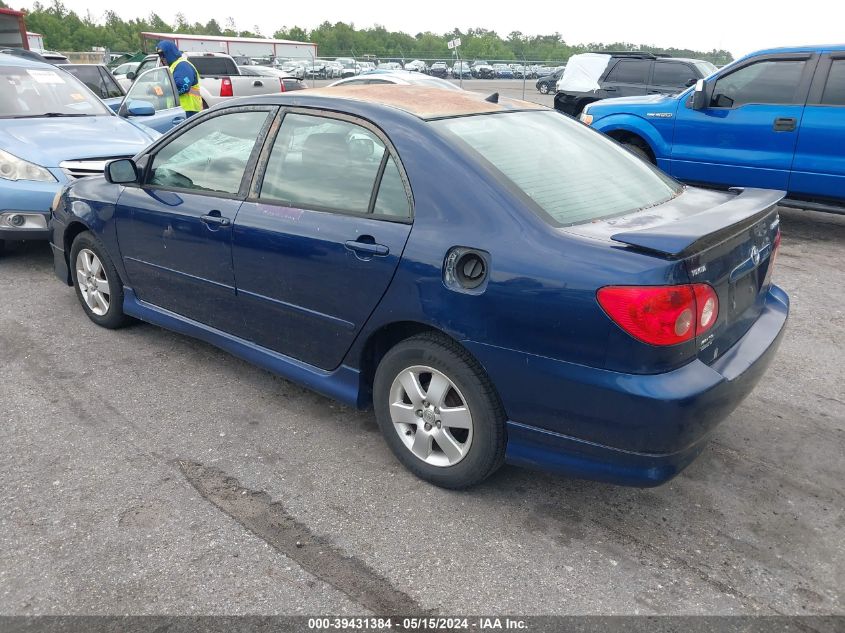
x: 45, y: 91
x: 210, y: 66
x: 570, y: 172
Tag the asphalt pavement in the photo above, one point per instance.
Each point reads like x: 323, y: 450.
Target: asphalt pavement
x: 144, y: 472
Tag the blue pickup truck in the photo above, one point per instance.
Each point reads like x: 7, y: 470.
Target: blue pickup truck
x: 774, y: 119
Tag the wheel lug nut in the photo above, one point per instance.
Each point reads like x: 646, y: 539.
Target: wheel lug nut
x: 419, y: 413
x: 427, y: 426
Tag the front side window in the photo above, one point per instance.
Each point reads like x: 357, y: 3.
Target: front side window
x: 45, y: 91
x: 630, y: 71
x: 673, y: 74
x: 834, y: 91
x: 155, y: 88
x: 145, y: 65
x: 212, y: 156
x: 771, y: 82
x: 329, y: 164
x: 571, y: 173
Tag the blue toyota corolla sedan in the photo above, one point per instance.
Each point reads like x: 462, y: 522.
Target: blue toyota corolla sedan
x: 53, y: 129
x: 568, y: 307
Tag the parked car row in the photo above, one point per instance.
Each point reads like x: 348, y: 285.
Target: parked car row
x: 663, y: 292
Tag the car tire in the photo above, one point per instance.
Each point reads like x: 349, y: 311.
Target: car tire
x: 544, y: 89
x: 97, y: 284
x: 639, y: 150
x: 457, y: 439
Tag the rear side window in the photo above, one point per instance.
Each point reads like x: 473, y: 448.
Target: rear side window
x: 212, y: 156
x: 772, y: 82
x: 568, y: 171
x: 391, y: 199
x: 324, y: 164
x: 834, y: 91
x: 630, y: 71
x: 673, y: 74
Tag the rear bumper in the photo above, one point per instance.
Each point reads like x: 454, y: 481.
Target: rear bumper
x: 630, y: 429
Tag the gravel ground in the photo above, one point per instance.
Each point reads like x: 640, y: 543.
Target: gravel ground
x: 145, y: 472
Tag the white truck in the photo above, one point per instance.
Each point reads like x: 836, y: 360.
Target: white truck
x: 220, y: 78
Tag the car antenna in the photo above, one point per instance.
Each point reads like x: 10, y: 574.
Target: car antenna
x: 493, y: 98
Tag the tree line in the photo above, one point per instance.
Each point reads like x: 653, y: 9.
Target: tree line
x: 65, y: 30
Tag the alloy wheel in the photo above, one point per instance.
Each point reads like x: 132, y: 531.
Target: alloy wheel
x: 431, y: 416
x: 92, y: 282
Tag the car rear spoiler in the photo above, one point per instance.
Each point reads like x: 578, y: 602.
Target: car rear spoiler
x: 693, y: 233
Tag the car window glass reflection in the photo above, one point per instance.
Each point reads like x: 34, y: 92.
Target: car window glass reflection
x: 154, y: 88
x: 323, y: 163
x: 391, y: 199
x: 211, y: 156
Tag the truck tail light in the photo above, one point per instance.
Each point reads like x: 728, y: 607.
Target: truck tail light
x: 226, y: 87
x: 661, y: 315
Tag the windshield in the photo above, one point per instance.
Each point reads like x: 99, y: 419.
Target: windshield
x: 38, y: 92
x: 571, y: 173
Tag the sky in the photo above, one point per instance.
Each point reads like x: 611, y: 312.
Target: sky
x: 739, y: 26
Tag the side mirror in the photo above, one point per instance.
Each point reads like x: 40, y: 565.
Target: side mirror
x: 690, y: 82
x: 121, y: 172
x: 699, y: 97
x: 130, y: 75
x: 140, y: 108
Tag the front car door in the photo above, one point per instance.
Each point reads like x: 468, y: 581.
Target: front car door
x: 747, y: 134
x: 175, y: 229
x: 318, y: 241
x: 818, y: 170
x: 155, y: 87
x: 628, y: 77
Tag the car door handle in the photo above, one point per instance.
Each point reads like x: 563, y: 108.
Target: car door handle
x: 785, y: 124
x: 213, y: 218
x: 366, y: 247
x: 177, y: 120
x: 610, y: 89
x: 257, y: 83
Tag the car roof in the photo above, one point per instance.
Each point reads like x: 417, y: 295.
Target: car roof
x: 424, y: 102
x: 818, y: 48
x: 14, y: 60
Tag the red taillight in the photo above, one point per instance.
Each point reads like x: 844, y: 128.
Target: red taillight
x: 661, y: 315
x: 282, y: 85
x: 226, y: 87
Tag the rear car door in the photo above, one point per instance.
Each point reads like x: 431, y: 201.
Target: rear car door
x: 175, y: 229
x: 671, y: 77
x: 748, y: 133
x: 627, y: 78
x: 156, y: 87
x: 818, y: 170
x: 318, y: 241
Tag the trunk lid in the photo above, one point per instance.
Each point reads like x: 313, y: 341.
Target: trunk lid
x: 725, y: 239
